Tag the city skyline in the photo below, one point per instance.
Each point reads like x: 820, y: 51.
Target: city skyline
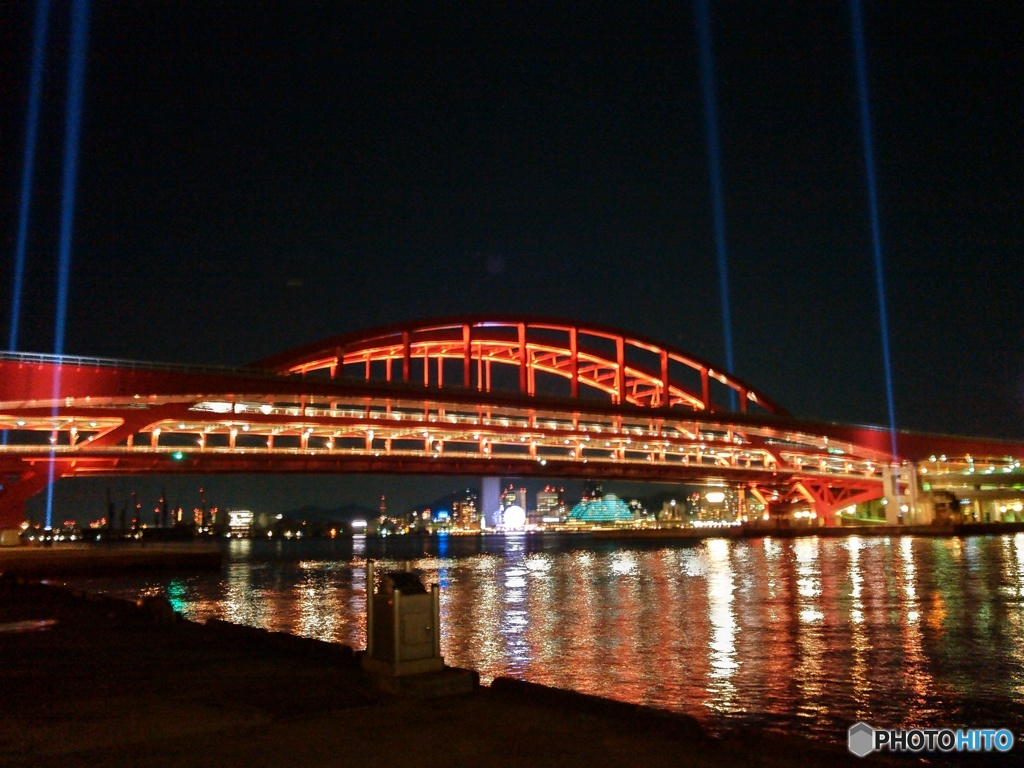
x: 86, y: 500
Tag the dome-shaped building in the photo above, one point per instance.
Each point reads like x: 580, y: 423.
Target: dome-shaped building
x: 609, y: 509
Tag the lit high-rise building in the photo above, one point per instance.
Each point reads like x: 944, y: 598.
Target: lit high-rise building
x: 466, y: 512
x: 550, y: 504
x: 717, y: 505
x: 513, y: 497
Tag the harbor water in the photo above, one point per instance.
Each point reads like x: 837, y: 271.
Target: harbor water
x: 805, y: 635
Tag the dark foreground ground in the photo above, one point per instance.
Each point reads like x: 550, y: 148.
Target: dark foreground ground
x: 111, y: 683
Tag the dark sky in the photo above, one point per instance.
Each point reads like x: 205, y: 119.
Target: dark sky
x: 255, y: 176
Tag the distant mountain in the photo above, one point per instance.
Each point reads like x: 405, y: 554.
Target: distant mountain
x: 343, y: 514
x: 443, y: 502
x: 654, y: 502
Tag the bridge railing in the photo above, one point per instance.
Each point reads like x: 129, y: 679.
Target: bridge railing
x: 137, y: 365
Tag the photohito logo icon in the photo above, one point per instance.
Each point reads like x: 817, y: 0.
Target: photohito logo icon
x: 861, y: 739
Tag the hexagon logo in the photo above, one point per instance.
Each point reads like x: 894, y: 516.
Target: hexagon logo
x: 861, y: 739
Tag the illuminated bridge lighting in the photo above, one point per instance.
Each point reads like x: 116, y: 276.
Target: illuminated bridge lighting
x: 655, y: 421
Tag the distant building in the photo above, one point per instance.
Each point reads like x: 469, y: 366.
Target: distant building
x: 490, y: 499
x: 551, y: 505
x: 513, y: 497
x: 673, y: 511
x: 466, y: 511
x: 717, y: 505
x: 240, y: 522
x: 609, y: 509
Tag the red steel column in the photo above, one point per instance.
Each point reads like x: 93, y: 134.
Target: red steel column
x: 666, y: 399
x: 620, y: 374
x: 406, y: 357
x: 467, y: 356
x: 523, y: 386
x: 574, y: 363
x: 339, y: 360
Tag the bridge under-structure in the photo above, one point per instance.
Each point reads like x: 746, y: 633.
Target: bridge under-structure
x: 505, y: 395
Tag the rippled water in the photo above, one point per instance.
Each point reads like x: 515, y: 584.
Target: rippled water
x: 805, y: 635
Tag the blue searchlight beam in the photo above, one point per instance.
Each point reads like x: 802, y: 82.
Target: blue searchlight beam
x: 702, y: 13
x: 72, y: 132
x: 28, y: 163
x: 860, y: 58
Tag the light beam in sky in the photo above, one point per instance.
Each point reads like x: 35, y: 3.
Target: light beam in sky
x: 860, y: 58
x: 702, y: 13
x: 72, y: 132
x: 35, y: 89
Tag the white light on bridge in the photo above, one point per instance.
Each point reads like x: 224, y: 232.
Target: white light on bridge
x: 217, y: 406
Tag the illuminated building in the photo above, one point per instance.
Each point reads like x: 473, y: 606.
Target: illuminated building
x: 513, y: 497
x: 672, y: 511
x: 717, y: 505
x: 551, y: 505
x: 609, y: 509
x: 465, y: 511
x: 239, y: 522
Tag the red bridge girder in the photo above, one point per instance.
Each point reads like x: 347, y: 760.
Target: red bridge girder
x: 471, y: 395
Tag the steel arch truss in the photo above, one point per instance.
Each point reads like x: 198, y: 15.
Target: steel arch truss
x: 465, y: 353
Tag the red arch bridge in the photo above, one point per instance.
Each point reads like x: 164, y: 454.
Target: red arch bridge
x: 486, y: 396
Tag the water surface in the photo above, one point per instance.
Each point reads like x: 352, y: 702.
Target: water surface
x: 801, y: 635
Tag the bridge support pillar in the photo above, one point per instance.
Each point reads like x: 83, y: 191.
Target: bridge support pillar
x: 900, y: 486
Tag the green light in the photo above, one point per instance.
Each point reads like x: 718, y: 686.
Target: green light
x: 178, y: 455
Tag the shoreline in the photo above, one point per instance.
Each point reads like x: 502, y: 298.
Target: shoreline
x: 95, y: 559
x: 102, y: 681
x: 203, y: 554
x: 756, y: 532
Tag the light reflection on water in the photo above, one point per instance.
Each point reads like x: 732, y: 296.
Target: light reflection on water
x: 806, y: 634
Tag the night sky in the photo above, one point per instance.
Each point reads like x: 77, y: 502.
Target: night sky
x: 256, y: 176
